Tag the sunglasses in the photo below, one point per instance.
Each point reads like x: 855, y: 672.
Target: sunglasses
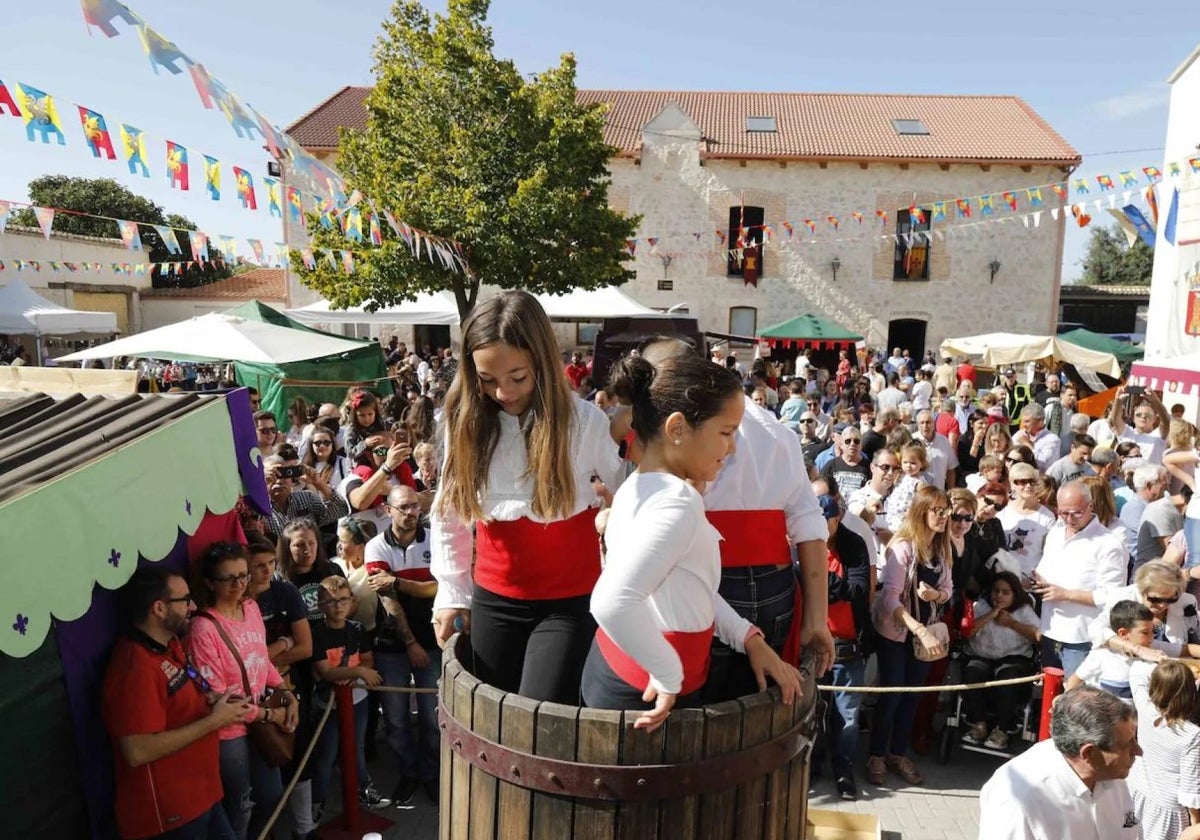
x: 962, y: 517
x: 851, y: 441
x: 887, y: 468
x: 1154, y: 599
x: 1021, y: 482
x: 808, y: 421
x: 940, y: 512
x: 995, y: 505
x: 267, y: 430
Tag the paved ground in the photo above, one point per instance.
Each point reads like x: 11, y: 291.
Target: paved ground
x: 946, y: 807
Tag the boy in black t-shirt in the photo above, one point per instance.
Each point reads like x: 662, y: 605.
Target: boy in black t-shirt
x: 341, y: 653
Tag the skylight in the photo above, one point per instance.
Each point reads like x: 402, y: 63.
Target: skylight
x: 909, y: 127
x: 760, y: 124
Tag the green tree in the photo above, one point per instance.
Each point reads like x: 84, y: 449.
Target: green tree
x: 105, y: 197
x: 1112, y: 261
x: 459, y: 144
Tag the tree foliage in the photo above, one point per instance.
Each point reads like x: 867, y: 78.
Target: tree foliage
x: 106, y: 197
x: 1112, y: 261
x: 459, y: 144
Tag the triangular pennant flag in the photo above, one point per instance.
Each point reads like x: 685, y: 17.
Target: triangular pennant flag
x: 348, y: 262
x: 1037, y: 218
x: 1054, y: 213
x: 167, y: 235
x: 45, y: 219
x: 130, y: 235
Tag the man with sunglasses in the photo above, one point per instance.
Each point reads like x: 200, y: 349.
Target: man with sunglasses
x: 163, y: 718
x: 1079, y: 558
x: 848, y: 468
x: 1151, y: 423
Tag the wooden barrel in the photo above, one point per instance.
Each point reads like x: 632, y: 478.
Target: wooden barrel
x: 518, y: 769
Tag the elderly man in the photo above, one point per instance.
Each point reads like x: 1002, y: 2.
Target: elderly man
x: 1151, y: 422
x: 1075, y: 464
x: 163, y: 718
x: 1105, y: 464
x: 964, y: 406
x: 943, y: 460
x: 1034, y: 434
x: 1079, y: 557
x: 849, y: 469
x: 1149, y: 482
x: 1071, y: 787
x: 1161, y: 520
x: 288, y: 503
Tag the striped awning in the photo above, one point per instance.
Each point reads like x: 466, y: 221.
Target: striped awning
x: 1178, y: 375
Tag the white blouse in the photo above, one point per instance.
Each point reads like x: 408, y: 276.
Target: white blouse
x: 509, y: 493
x: 662, y: 571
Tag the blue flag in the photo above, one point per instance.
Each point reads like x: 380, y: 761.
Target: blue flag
x: 1172, y: 217
x: 1144, y: 228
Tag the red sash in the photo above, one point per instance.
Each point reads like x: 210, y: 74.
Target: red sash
x: 841, y: 615
x: 538, y: 561
x: 751, y: 537
x: 694, y: 651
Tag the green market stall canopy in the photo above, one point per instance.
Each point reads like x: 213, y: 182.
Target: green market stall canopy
x: 811, y: 332
x: 1123, y: 350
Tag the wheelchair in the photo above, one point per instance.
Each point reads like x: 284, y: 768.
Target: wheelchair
x: 1025, y: 732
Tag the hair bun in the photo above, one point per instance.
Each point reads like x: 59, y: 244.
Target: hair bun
x: 630, y: 379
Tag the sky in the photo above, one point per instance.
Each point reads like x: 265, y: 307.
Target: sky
x: 1096, y: 73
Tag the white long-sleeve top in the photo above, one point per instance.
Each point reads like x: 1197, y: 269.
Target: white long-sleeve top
x: 662, y: 571
x: 767, y: 472
x: 509, y: 493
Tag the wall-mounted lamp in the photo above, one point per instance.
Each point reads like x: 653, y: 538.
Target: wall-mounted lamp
x: 834, y: 265
x: 994, y: 267
x: 666, y: 263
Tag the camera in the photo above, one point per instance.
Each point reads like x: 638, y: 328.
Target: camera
x: 294, y: 471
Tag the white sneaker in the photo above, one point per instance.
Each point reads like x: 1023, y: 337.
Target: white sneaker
x: 976, y: 734
x: 998, y: 740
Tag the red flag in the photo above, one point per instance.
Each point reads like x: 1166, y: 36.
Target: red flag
x: 96, y: 132
x: 7, y: 102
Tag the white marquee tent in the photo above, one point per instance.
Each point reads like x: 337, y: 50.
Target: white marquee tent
x: 998, y: 349
x: 594, y: 305
x: 435, y: 308
x: 24, y: 312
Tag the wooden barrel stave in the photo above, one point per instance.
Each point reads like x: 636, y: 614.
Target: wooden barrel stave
x: 486, y: 704
x: 684, y: 744
x: 596, y: 819
x: 554, y: 737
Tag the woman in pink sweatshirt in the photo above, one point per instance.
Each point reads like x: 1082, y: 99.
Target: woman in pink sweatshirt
x: 252, y: 788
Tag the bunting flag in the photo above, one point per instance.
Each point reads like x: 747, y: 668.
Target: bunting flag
x: 1081, y: 217
x: 169, y: 239
x: 1105, y: 182
x: 1081, y: 185
x: 376, y: 233
x: 177, y: 166
x: 308, y: 258
x: 1173, y: 169
x: 101, y: 14
x: 985, y: 205
x: 653, y: 240
x: 767, y: 230
x: 1060, y: 190
x: 1172, y: 217
x: 45, y: 219
x: 296, y: 210
x: 328, y: 252
x: 7, y: 103
x: 916, y: 215
x: 41, y: 117
x: 1127, y: 178
x: 130, y: 235
x: 1011, y: 200
x: 786, y: 226
x: 1144, y: 229
x: 229, y: 247
x: 631, y: 247
x: 352, y: 224
x: 1194, y: 163
x: 199, y: 243
x: 257, y: 247
x: 133, y: 141
x: 858, y: 217
x: 273, y: 205
x: 160, y: 51
x: 964, y: 208
x: 95, y: 131
x: 1152, y: 173
x: 245, y: 188
x: 1152, y: 203
x: 808, y: 223
x: 882, y: 215
x: 212, y: 177
x: 1034, y: 196
x: 4, y: 208
x: 348, y: 262
x: 213, y: 94
x: 834, y: 221
x: 939, y: 211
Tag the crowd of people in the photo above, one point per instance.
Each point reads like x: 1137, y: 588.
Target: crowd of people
x: 874, y: 514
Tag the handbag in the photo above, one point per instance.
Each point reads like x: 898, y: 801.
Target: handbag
x: 941, y: 633
x: 274, y: 744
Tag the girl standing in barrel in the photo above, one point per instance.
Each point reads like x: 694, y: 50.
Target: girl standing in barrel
x: 521, y: 452
x: 656, y: 602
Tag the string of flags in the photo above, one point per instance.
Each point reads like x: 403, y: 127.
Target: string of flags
x: 315, y: 189
x: 165, y: 269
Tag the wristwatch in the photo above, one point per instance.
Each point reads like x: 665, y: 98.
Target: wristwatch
x: 386, y: 470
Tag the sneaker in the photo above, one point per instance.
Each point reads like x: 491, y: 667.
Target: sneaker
x: 876, y: 769
x: 846, y: 788
x: 370, y: 797
x: 405, y: 790
x: 432, y: 789
x: 977, y: 734
x: 998, y: 740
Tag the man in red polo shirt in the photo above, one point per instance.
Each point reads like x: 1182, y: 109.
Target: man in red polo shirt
x: 163, y: 719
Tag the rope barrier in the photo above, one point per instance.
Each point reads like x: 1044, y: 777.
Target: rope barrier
x: 923, y: 689
x: 397, y: 689
x: 287, y: 792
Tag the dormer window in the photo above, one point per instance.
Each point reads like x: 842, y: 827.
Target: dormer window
x: 760, y: 125
x: 909, y: 127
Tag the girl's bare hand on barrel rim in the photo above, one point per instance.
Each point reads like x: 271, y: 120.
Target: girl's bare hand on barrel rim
x: 765, y: 662
x: 447, y: 622
x: 656, y: 717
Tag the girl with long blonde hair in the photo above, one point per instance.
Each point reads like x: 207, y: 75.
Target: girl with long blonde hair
x: 521, y: 454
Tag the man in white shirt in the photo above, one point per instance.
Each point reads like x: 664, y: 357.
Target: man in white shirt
x: 1080, y: 556
x: 1151, y: 422
x: 1034, y: 434
x: 943, y: 460
x: 1071, y: 787
x: 922, y: 391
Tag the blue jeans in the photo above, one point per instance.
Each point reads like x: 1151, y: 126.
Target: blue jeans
x: 252, y: 788
x: 841, y: 716
x: 764, y: 596
x: 892, y: 727
x: 211, y: 825
x: 419, y: 748
x: 1068, y: 656
x: 1191, y: 533
x: 326, y: 752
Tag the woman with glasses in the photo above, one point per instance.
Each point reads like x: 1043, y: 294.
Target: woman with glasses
x: 322, y: 458
x: 916, y: 584
x: 1157, y: 585
x: 1026, y: 521
x: 987, y: 534
x: 228, y: 643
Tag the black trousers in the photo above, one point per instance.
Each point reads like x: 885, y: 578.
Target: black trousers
x: 1003, y: 701
x: 533, y: 648
x: 603, y: 689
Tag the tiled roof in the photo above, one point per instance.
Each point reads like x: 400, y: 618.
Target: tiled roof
x: 822, y: 126
x: 1082, y: 291
x: 256, y: 284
